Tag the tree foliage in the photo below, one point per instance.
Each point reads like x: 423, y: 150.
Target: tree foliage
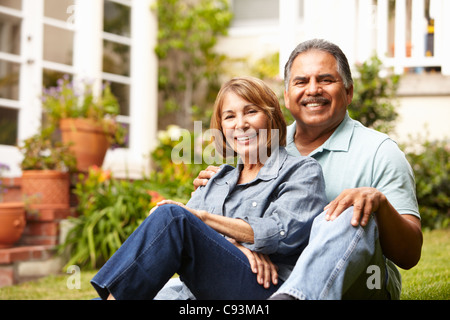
x: 431, y: 167
x: 374, y: 96
x: 188, y: 66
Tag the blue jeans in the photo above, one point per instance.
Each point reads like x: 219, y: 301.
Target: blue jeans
x: 342, y: 261
x: 172, y: 240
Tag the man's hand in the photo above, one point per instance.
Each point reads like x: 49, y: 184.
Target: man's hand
x: 266, y: 271
x: 364, y: 201
x: 204, y: 176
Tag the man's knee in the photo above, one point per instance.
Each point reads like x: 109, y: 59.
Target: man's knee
x: 345, y: 216
x: 338, y: 226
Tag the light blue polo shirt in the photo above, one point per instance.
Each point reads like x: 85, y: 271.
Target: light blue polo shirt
x: 356, y: 156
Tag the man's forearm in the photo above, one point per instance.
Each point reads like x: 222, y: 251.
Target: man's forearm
x: 400, y: 236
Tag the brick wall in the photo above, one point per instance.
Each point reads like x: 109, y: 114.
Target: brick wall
x: 34, y: 255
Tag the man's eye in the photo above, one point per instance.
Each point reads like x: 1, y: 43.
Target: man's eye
x: 327, y: 81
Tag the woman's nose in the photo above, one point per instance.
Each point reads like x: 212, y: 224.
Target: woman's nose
x: 241, y: 122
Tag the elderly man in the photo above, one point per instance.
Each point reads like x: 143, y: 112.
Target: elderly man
x: 372, y: 221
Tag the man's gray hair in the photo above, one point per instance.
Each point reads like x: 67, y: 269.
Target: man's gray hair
x: 343, y: 67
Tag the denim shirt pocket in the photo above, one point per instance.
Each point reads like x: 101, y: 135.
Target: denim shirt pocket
x: 214, y: 210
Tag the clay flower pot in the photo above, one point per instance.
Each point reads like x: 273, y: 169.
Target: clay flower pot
x: 12, y: 223
x: 46, y: 189
x: 89, y: 141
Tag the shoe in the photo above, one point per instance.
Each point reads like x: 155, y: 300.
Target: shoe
x: 282, y: 296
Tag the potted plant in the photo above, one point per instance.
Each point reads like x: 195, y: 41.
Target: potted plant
x: 86, y: 120
x: 45, y: 171
x: 12, y: 217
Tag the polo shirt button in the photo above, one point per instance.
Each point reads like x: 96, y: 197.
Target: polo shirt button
x: 254, y: 204
x: 282, y: 233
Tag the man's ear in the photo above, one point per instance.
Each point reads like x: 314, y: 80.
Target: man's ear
x: 349, y: 94
x: 286, y: 100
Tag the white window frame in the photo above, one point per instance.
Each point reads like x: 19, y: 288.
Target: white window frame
x: 88, y: 33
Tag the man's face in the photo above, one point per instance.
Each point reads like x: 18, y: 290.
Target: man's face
x: 316, y: 95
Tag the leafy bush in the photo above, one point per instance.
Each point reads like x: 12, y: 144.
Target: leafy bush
x: 431, y: 167
x: 110, y: 210
x: 174, y: 179
x: 189, y: 67
x: 373, y: 96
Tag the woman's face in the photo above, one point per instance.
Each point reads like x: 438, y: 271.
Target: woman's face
x: 242, y: 122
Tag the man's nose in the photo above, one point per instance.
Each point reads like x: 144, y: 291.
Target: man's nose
x: 313, y: 88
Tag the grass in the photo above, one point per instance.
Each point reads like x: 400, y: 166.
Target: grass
x: 53, y: 287
x: 429, y: 280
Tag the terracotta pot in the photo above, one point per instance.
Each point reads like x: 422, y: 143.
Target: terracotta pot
x: 12, y: 223
x: 46, y: 188
x: 89, y: 141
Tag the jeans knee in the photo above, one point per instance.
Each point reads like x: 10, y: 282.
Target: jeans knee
x: 170, y: 211
x: 347, y: 214
x: 341, y: 224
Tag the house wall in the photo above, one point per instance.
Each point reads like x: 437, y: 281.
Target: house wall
x: 422, y: 115
x: 424, y: 106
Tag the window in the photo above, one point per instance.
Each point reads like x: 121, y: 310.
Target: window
x: 43, y: 40
x: 8, y: 123
x: 255, y: 12
x: 116, y: 54
x: 261, y: 13
x: 58, y: 40
x: 10, y: 29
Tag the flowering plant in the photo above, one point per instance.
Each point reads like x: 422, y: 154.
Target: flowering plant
x: 77, y: 100
x: 41, y: 153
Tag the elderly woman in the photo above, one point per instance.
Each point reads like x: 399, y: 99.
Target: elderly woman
x: 266, y: 204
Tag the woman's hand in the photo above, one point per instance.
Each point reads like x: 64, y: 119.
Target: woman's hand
x: 198, y: 213
x: 266, y: 271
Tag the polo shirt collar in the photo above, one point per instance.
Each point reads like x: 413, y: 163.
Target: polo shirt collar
x: 338, y: 141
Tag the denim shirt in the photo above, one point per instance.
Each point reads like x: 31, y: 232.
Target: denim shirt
x: 279, y: 204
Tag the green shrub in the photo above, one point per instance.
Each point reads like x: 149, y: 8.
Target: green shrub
x: 177, y: 161
x: 109, y: 211
x: 431, y: 167
x: 373, y: 96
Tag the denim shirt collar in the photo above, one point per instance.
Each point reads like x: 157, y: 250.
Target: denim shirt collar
x: 338, y: 141
x: 269, y: 171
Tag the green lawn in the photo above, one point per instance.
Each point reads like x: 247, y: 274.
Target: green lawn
x: 429, y: 280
